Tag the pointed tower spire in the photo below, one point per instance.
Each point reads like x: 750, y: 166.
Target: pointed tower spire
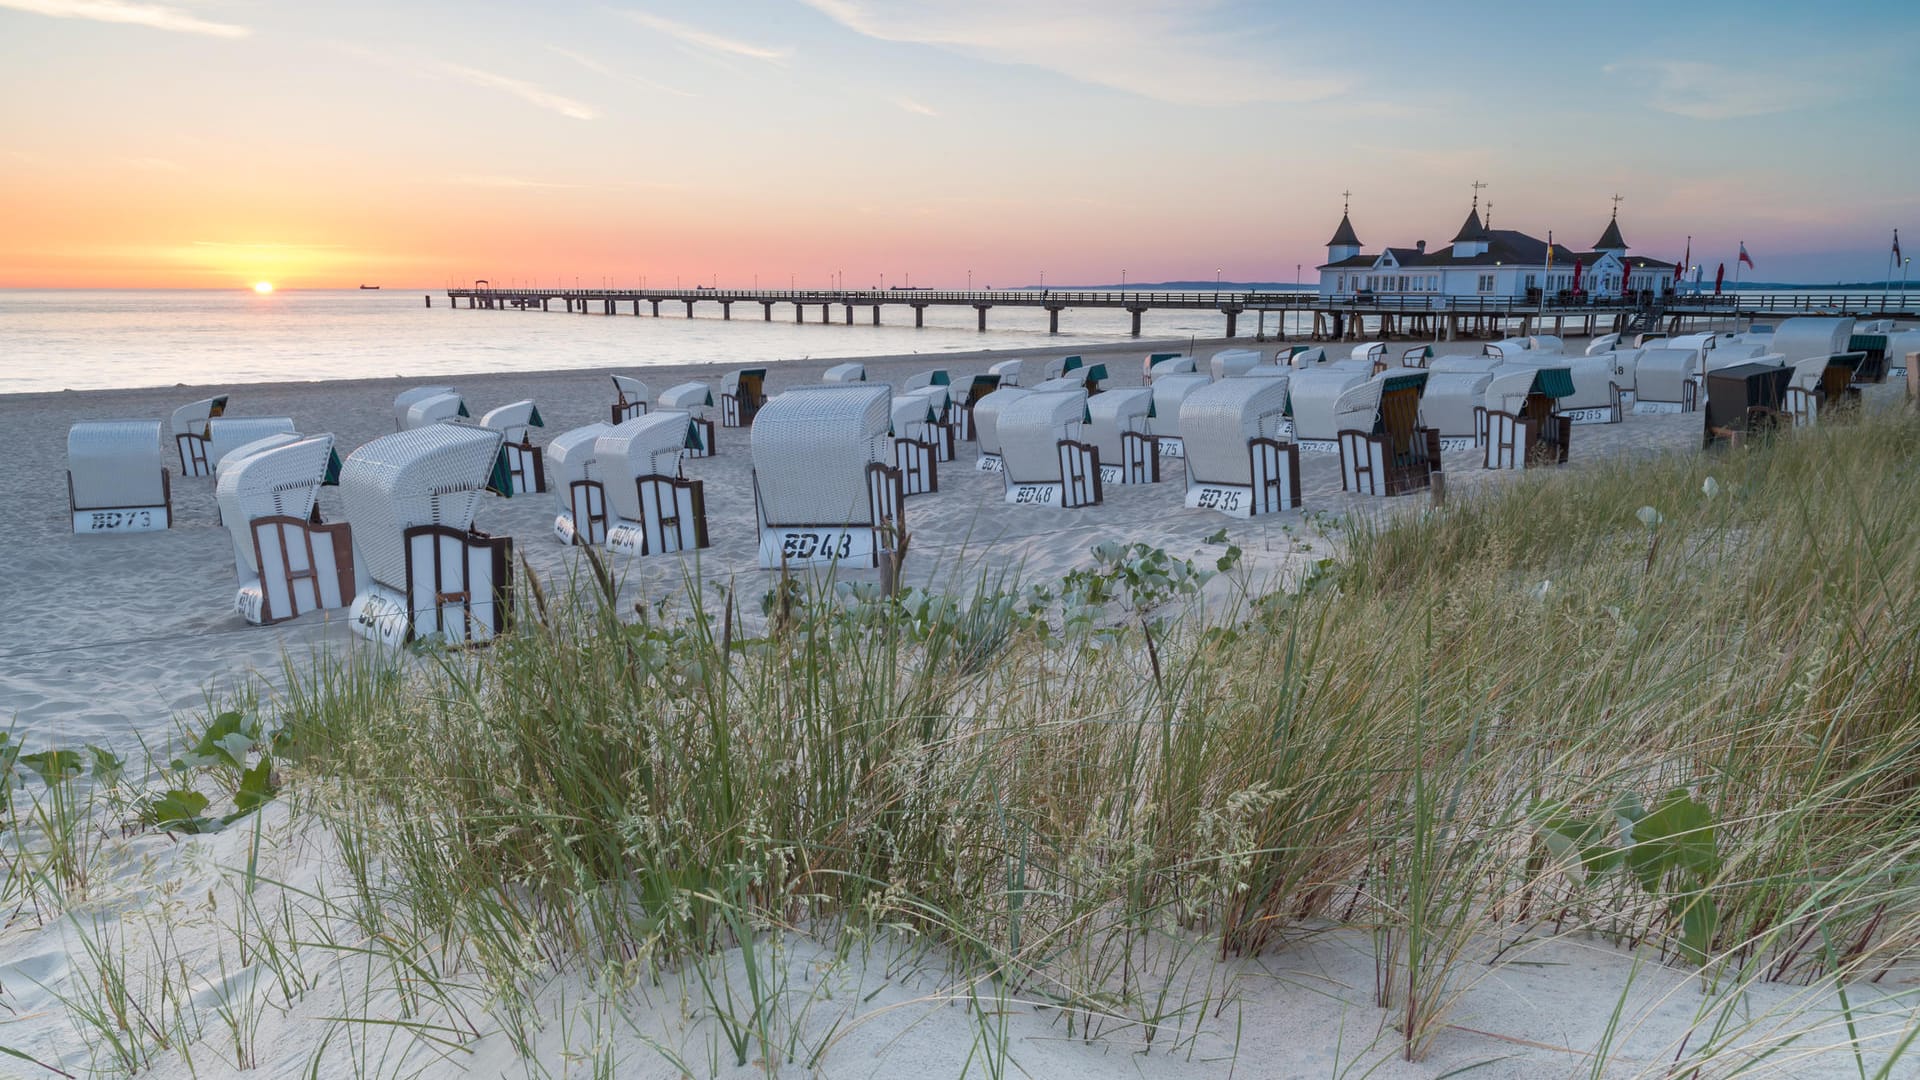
x: 1345, y: 243
x: 1611, y: 239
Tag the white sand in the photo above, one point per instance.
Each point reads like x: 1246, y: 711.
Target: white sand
x: 108, y: 639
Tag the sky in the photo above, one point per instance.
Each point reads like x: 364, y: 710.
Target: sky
x: 214, y: 143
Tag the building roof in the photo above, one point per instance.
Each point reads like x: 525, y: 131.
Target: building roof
x: 1504, y: 247
x: 1611, y: 238
x: 1472, y: 229
x: 1344, y: 234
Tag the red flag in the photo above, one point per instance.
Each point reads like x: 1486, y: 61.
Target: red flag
x: 1744, y: 257
x: 1896, y: 247
x: 1679, y: 272
x: 1718, y: 278
x: 1576, y: 276
x: 1626, y: 280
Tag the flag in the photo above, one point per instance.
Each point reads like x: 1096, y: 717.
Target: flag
x: 1718, y: 278
x: 1576, y: 275
x: 1679, y: 272
x: 1744, y: 257
x: 1896, y: 247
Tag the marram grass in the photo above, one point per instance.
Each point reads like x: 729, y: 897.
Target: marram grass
x: 1543, y: 709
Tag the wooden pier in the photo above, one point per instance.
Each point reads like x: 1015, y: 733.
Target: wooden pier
x: 1413, y: 316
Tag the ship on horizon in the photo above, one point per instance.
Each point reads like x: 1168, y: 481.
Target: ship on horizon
x: 369, y: 286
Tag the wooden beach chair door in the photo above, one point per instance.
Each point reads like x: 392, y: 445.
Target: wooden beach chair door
x: 673, y: 514
x: 1363, y: 462
x: 193, y: 454
x: 1275, y: 469
x: 1551, y: 434
x: 1413, y: 452
x: 304, y: 566
x: 624, y: 410
x: 526, y: 467
x: 1508, y: 437
x: 1079, y: 474
x: 1139, y: 457
x: 917, y: 460
x: 459, y: 583
x: 705, y: 449
x: 588, y: 500
x: 887, y: 506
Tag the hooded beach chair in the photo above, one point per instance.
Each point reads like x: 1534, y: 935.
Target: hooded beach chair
x: 1168, y: 392
x: 655, y: 510
x: 115, y: 480
x: 1239, y: 461
x: 1305, y: 356
x: 1383, y: 448
x: 288, y: 562
x: 1546, y: 345
x: 1120, y: 427
x: 1744, y: 400
x: 1901, y: 345
x: 404, y: 417
x: 823, y: 490
x: 917, y: 439
x: 1166, y: 363
x: 1520, y: 427
x: 742, y: 393
x: 1048, y: 462
x: 1507, y: 348
x: 1603, y: 343
x: 225, y: 434
x: 1058, y: 366
x: 1007, y: 372
x: 1666, y: 381
x: 524, y: 466
x: 1321, y: 409
x: 930, y: 377
x: 962, y: 397
x: 848, y: 372
x: 986, y: 424
x: 1227, y: 363
x: 694, y: 399
x: 629, y: 398
x: 1818, y: 384
x: 190, y: 434
x: 1417, y: 357
x: 420, y: 568
x: 1597, y: 397
x: 1451, y: 403
x: 580, y: 497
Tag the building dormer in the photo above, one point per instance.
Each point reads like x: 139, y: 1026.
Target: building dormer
x: 1472, y: 239
x: 1345, y: 243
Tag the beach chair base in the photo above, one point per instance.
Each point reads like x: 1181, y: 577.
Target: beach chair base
x: 990, y: 463
x: 193, y: 454
x: 124, y: 519
x: 304, y: 566
x: 1369, y: 465
x: 1079, y: 483
x: 1318, y: 446
x: 459, y: 590
x: 917, y: 461
x: 1170, y: 446
x: 673, y: 517
x: 1275, y: 487
x: 1599, y: 414
x: 586, y: 522
x: 798, y: 546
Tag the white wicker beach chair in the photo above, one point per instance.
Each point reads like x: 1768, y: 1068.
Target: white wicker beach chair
x: 228, y: 433
x: 525, y: 464
x: 404, y: 417
x: 1007, y: 372
x: 655, y: 510
x: 434, y: 409
x: 1520, y: 427
x: 1048, y: 461
x: 1546, y: 345
x: 1120, y: 426
x: 1900, y: 345
x: 190, y: 434
x: 1227, y: 363
x: 1417, y: 357
x: 1603, y: 343
x: 1319, y: 409
x: 287, y: 561
x: 1239, y: 460
x: 986, y: 423
x: 1451, y: 405
x: 1161, y: 363
x: 848, y: 372
x: 1667, y: 381
x: 1306, y: 357
x: 1597, y: 397
x: 421, y: 568
x: 1797, y: 339
x: 1168, y: 392
x: 742, y: 393
x: 1463, y: 362
x: 822, y: 486
x: 694, y: 399
x: 579, y: 494
x: 964, y: 397
x: 1806, y: 390
x: 918, y: 439
x: 931, y: 377
x: 1370, y: 352
x: 1507, y: 348
x: 115, y: 481
x: 1057, y: 366
x: 1383, y: 448
x: 630, y: 397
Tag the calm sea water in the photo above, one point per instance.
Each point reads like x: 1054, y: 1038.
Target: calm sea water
x: 99, y: 339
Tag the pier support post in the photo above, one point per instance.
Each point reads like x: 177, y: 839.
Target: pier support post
x: 610, y: 304
x: 766, y: 311
x: 849, y: 308
x: 919, y: 316
x: 1233, y: 319
x: 636, y: 307
x: 876, y: 314
x: 799, y: 313
x: 1053, y: 318
x: 656, y: 308
x: 429, y: 299
x: 826, y: 314
x: 726, y: 311
x: 982, y: 309
x: 1137, y: 312
x: 689, y: 304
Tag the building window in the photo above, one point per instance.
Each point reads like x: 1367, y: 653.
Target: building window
x: 1486, y: 282
x: 1340, y: 283
x: 1533, y: 281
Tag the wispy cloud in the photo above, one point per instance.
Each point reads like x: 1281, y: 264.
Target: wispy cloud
x: 693, y: 35
x: 155, y: 16
x: 1704, y: 91
x: 267, y: 245
x: 1193, y: 53
x: 913, y: 106
x: 522, y: 89
x: 599, y: 68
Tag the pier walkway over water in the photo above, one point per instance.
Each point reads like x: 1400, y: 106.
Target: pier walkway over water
x: 1333, y: 318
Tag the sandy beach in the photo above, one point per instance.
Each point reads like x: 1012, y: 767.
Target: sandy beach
x: 114, y: 640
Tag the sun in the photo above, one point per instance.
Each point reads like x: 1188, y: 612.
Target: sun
x: 263, y: 287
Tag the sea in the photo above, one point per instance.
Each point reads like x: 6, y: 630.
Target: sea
x: 88, y: 339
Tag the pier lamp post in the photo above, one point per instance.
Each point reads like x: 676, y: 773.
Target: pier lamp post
x: 1123, y: 279
x: 1043, y: 280
x: 1216, y: 278
x: 969, y: 281
x: 1296, y: 275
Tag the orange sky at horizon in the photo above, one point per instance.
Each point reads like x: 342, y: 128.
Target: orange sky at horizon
x: 224, y: 142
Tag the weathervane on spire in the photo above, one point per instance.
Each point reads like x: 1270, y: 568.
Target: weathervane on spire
x: 1345, y: 201
x: 1477, y: 185
x: 1617, y: 198
x: 1488, y: 224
